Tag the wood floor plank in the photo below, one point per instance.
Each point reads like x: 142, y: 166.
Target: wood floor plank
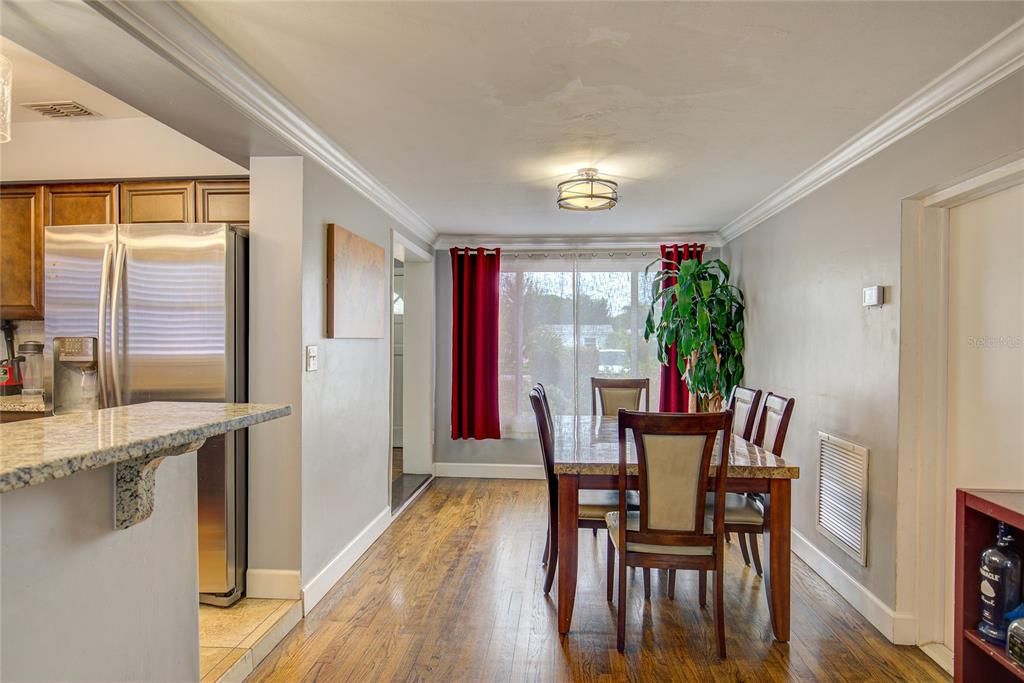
x: 452, y: 592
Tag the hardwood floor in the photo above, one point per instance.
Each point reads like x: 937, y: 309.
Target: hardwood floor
x: 452, y: 592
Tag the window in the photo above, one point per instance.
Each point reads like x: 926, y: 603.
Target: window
x: 565, y: 318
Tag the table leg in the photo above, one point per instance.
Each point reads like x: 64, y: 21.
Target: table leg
x: 776, y: 572
x: 568, y: 541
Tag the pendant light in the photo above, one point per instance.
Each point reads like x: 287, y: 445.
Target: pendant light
x: 586, y: 191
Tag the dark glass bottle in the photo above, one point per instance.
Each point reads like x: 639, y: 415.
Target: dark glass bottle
x: 1000, y: 585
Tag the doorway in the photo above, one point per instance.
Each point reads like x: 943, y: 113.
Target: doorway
x: 961, y: 376
x: 406, y: 477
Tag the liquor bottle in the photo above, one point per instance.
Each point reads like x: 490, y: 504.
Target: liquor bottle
x: 1000, y: 585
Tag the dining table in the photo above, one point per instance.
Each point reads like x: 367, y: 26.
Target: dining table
x: 587, y: 457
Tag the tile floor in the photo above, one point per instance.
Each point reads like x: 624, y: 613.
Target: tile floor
x: 233, y: 640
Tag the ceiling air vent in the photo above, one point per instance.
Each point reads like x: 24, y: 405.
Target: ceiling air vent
x: 60, y: 110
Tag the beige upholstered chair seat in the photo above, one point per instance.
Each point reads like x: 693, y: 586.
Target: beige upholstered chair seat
x: 739, y: 509
x: 633, y: 524
x: 596, y: 504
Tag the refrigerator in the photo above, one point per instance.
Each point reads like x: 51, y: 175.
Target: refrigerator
x: 167, y: 306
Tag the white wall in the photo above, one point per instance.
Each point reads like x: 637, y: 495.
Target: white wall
x: 138, y: 147
x: 137, y: 618
x: 418, y: 379
x: 275, y: 375
x: 345, y: 415
x: 808, y: 336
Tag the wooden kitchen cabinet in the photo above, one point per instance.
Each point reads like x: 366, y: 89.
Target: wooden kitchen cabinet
x: 21, y: 252
x: 164, y: 201
x: 81, y: 204
x: 222, y: 201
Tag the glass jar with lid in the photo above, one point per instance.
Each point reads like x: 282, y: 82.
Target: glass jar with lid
x: 31, y: 368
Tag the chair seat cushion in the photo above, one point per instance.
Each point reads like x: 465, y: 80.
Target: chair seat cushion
x: 739, y: 509
x: 595, y: 504
x: 633, y: 524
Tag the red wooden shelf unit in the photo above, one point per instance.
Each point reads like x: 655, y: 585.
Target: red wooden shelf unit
x: 977, y: 514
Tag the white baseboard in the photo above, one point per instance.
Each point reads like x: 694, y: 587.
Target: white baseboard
x: 476, y: 470
x: 317, y: 588
x: 940, y: 654
x: 278, y: 584
x: 899, y: 628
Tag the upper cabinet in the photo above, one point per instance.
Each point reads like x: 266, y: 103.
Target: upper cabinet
x: 81, y: 204
x: 222, y: 201
x: 163, y: 201
x: 21, y: 252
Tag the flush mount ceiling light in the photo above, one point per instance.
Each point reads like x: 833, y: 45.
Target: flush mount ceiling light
x: 587, y: 192
x: 6, y: 77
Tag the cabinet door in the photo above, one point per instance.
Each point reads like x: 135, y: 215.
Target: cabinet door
x: 222, y: 201
x: 81, y: 204
x: 169, y: 201
x: 21, y: 252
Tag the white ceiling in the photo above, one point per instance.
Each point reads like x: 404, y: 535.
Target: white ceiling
x: 37, y: 80
x: 471, y: 112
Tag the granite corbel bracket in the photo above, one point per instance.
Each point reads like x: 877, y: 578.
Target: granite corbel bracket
x: 135, y: 484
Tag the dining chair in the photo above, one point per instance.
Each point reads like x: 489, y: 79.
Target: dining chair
x: 671, y: 530
x: 744, y: 404
x: 593, y: 504
x: 744, y: 514
x: 613, y: 394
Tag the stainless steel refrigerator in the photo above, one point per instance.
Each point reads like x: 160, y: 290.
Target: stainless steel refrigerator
x: 167, y: 306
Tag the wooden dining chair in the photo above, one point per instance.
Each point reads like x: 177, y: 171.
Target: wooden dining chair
x: 593, y: 504
x: 744, y: 404
x: 671, y: 530
x: 744, y: 514
x: 613, y: 394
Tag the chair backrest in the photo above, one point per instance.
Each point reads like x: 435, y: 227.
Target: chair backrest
x: 619, y: 394
x: 674, y: 452
x: 774, y: 423
x: 744, y: 405
x: 545, y: 431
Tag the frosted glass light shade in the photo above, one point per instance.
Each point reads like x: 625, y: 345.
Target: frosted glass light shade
x: 587, y: 192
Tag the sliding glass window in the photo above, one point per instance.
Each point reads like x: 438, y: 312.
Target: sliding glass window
x: 565, y: 318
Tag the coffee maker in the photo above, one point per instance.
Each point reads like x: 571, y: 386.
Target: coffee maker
x: 75, y: 365
x: 10, y: 367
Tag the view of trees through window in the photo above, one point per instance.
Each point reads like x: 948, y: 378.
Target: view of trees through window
x: 565, y: 319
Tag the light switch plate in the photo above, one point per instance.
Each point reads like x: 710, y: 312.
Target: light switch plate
x: 312, y: 359
x: 872, y: 296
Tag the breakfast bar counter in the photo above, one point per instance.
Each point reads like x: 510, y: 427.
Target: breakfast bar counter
x: 98, y: 539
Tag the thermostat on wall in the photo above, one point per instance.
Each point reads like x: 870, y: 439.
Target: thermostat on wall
x: 873, y: 296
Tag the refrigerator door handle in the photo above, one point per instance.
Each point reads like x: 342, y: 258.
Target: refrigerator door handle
x: 115, y: 314
x: 101, y: 325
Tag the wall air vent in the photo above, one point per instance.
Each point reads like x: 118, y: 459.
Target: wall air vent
x: 60, y: 110
x: 842, y: 505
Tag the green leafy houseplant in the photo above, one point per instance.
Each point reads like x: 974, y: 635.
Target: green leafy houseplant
x: 700, y: 319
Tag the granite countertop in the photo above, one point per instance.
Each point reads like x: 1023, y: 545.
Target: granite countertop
x: 36, y: 451
x: 17, y: 404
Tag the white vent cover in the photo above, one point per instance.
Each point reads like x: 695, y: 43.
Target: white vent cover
x: 842, y: 490
x: 59, y: 110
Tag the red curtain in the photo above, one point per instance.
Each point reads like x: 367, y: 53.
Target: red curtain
x: 476, y: 284
x: 674, y: 396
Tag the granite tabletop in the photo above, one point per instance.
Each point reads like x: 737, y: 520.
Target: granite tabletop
x: 590, y: 445
x: 19, y: 404
x: 36, y: 451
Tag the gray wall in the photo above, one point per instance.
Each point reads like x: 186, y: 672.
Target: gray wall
x: 83, y: 601
x: 808, y: 336
x: 345, y: 412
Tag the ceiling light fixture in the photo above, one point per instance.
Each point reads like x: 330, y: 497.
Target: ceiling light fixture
x: 587, y: 192
x: 6, y: 77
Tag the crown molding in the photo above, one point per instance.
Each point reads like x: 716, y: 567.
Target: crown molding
x: 987, y: 65
x: 706, y: 236
x: 172, y: 32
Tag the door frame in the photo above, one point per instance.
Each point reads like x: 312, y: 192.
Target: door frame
x: 923, y: 387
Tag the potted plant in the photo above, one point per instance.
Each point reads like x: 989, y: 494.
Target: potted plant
x: 698, y: 316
